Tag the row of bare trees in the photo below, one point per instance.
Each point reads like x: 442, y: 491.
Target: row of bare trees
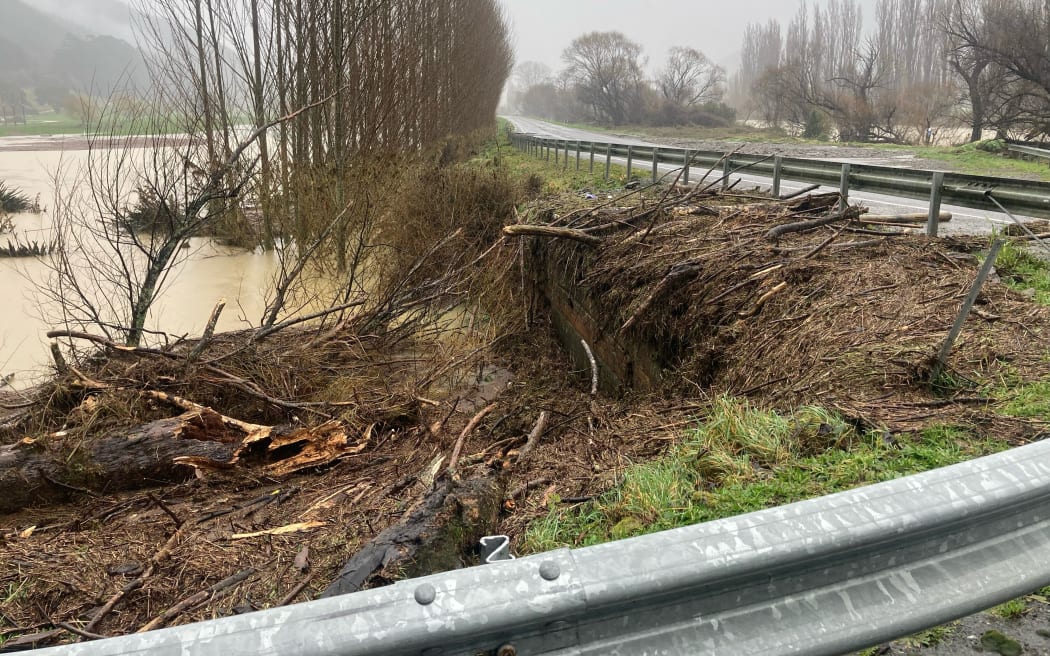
x: 604, y: 81
x: 924, y: 65
x: 290, y: 120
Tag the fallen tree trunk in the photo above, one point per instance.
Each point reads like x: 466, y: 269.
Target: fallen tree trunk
x: 893, y: 219
x: 32, y: 472
x: 434, y: 537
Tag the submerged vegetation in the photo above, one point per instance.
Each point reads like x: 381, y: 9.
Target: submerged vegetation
x: 14, y: 200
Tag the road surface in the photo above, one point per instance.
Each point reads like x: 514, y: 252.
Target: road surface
x: 965, y: 220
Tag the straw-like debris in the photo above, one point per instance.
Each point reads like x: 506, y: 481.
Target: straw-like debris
x: 795, y: 302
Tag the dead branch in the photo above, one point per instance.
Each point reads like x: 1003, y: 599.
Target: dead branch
x: 535, y: 435
x: 800, y: 192
x: 159, y: 557
x: 679, y: 273
x: 209, y: 329
x: 594, y: 367
x: 471, y: 425
x: 195, y: 600
x: 849, y: 214
x: 551, y: 231
x: 225, y: 378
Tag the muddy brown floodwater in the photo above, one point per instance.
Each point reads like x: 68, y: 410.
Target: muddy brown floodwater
x: 210, y: 272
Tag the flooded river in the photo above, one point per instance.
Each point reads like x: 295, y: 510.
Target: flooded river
x: 209, y: 273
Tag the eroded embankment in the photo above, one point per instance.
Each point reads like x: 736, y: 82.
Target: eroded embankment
x: 788, y: 303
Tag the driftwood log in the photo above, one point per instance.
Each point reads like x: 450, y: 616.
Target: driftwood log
x: 53, y: 469
x: 435, y: 537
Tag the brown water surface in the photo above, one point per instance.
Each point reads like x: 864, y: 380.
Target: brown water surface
x: 209, y: 273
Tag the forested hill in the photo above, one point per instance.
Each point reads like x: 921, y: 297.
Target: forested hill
x: 44, y: 57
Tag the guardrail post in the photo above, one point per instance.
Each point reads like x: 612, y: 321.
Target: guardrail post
x: 592, y: 158
x: 727, y: 166
x: 844, y: 185
x: 577, y: 154
x: 565, y: 164
x: 548, y: 151
x: 656, y: 164
x: 608, y: 160
x: 936, y: 184
x: 964, y: 311
x: 778, y: 164
x: 687, y: 158
x: 630, y: 161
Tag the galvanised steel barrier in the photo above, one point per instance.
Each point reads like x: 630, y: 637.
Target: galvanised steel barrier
x: 1028, y: 151
x: 1026, y: 197
x: 825, y: 576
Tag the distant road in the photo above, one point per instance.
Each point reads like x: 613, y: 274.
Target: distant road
x: 965, y: 221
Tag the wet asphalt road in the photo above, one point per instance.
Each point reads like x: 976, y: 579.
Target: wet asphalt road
x: 965, y: 221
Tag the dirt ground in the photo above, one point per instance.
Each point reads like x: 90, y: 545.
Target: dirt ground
x: 838, y: 314
x: 264, y: 542
x: 1030, y: 632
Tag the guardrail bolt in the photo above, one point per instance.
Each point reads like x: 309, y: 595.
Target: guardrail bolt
x: 425, y: 594
x: 549, y: 570
x: 507, y: 650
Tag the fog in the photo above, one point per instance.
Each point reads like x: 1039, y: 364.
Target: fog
x: 542, y: 29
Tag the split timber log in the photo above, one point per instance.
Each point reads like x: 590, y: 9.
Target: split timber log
x: 907, y: 219
x: 434, y: 537
x: 32, y: 473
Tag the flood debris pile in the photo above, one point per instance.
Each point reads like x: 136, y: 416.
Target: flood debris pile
x: 793, y: 302
x: 158, y: 485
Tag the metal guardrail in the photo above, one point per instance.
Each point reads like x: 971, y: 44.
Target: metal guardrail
x: 1027, y: 197
x: 825, y: 576
x: 1028, y: 151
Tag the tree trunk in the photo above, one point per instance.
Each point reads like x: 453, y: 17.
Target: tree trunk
x: 436, y: 537
x: 142, y: 457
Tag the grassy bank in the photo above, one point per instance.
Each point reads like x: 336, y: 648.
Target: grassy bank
x: 740, y: 459
x: 543, y: 177
x: 43, y: 125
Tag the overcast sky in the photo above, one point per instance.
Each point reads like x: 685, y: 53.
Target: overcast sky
x: 544, y: 28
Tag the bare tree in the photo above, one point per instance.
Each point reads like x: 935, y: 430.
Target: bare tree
x: 528, y: 74
x: 606, y: 70
x: 690, y: 78
x: 353, y: 85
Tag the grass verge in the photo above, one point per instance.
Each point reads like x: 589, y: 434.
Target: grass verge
x: 743, y: 459
x: 1022, y: 271
x: 550, y: 177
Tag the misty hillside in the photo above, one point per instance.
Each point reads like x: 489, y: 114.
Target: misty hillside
x: 44, y: 57
x: 103, y: 17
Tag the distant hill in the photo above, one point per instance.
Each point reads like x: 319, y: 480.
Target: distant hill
x: 101, y: 17
x: 46, y: 57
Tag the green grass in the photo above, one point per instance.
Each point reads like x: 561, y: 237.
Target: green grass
x: 1027, y: 400
x: 1010, y: 610
x: 744, y: 459
x: 51, y: 124
x: 1021, y: 271
x: 44, y: 124
x: 551, y: 178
